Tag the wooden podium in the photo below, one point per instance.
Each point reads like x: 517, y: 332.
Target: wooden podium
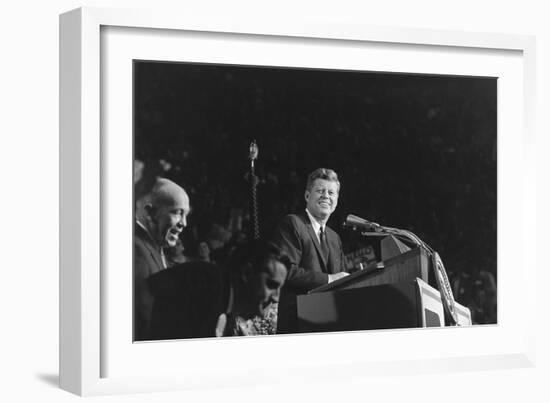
x: 395, y: 293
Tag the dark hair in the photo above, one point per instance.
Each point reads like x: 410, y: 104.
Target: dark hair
x: 322, y: 173
x: 256, y: 254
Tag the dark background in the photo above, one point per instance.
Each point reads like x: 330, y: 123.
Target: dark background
x: 412, y: 151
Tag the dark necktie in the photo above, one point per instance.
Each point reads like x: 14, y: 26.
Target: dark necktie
x: 324, y: 244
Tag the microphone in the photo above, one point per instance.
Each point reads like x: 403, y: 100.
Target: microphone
x: 357, y: 222
x: 253, y: 152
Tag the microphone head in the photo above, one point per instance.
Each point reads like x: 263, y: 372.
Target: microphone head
x: 253, y: 151
x: 354, y: 221
x: 357, y: 222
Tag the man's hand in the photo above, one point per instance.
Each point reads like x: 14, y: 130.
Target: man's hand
x: 337, y: 276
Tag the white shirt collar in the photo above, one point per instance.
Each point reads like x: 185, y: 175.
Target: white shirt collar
x: 315, y: 224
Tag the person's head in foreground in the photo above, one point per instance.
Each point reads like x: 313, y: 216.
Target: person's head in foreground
x: 258, y: 271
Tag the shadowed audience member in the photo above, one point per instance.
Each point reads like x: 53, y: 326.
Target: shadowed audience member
x: 257, y: 271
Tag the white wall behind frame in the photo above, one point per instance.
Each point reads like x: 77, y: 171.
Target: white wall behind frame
x: 28, y: 165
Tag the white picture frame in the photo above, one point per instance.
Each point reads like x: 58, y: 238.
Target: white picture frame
x: 86, y: 185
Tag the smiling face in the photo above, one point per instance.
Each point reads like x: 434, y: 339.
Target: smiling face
x: 322, y: 198
x: 169, y: 215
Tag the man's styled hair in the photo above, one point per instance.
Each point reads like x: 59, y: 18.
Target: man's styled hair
x: 322, y: 173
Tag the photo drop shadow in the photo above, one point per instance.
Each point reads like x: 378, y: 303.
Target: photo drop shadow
x: 49, y: 379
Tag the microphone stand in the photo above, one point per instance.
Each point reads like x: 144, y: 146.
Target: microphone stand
x: 252, y: 156
x: 437, y: 264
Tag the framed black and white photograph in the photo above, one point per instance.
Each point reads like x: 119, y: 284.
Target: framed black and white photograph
x: 418, y: 152
x: 287, y: 188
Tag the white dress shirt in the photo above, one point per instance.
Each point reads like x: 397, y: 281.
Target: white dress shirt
x: 316, y: 225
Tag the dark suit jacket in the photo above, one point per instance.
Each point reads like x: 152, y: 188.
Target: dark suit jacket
x: 147, y: 261
x: 296, y: 237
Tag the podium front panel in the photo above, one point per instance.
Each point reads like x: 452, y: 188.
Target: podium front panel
x: 388, y: 306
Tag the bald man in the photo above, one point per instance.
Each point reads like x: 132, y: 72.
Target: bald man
x: 165, y: 219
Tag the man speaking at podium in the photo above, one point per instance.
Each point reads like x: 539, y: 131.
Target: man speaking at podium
x: 314, y: 249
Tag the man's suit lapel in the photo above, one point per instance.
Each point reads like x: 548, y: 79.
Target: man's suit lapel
x: 315, y: 241
x: 333, y: 247
x: 155, y: 255
x: 147, y: 242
